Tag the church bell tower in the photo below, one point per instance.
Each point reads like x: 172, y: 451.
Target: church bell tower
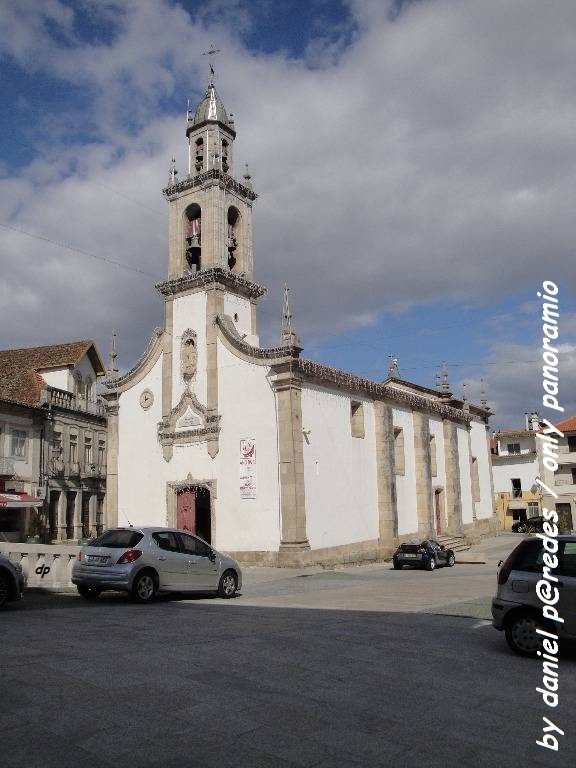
x: 210, y: 220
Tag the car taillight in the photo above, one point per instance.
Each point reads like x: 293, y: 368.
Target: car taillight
x: 80, y: 556
x: 507, y: 566
x: 129, y: 556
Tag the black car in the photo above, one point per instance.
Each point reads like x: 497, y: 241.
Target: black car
x: 12, y: 580
x: 426, y: 554
x: 531, y: 525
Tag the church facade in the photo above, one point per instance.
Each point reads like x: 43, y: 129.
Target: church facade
x: 269, y: 456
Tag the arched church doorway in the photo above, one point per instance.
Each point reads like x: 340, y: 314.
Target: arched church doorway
x: 193, y: 511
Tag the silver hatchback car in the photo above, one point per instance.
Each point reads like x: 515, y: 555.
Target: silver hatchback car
x: 144, y: 561
x: 517, y: 608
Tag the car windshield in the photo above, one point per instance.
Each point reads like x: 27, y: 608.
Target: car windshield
x: 118, y: 539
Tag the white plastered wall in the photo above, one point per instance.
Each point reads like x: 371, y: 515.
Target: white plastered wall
x: 480, y: 449
x: 406, y: 483
x: 189, y: 314
x: 248, y: 408
x: 465, y: 475
x: 240, y: 307
x: 141, y: 496
x: 525, y: 469
x: 60, y: 378
x: 339, y: 470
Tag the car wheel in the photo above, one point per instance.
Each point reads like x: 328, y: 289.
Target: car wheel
x: 521, y: 529
x: 521, y: 633
x: 228, y: 584
x: 431, y: 564
x: 4, y: 589
x: 451, y: 560
x: 89, y: 593
x: 397, y: 566
x: 144, y: 587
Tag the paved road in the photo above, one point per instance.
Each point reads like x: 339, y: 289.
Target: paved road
x: 212, y: 683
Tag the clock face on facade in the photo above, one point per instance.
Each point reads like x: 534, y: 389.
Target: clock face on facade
x: 146, y: 399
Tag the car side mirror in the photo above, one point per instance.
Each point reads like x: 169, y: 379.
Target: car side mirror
x: 212, y: 555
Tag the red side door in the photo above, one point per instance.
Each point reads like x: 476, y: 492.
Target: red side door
x: 186, y: 510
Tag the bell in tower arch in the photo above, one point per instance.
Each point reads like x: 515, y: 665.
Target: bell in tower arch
x: 193, y: 234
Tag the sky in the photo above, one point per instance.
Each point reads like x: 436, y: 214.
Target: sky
x: 414, y: 161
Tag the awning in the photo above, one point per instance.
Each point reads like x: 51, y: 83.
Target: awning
x: 517, y: 504
x: 19, y: 501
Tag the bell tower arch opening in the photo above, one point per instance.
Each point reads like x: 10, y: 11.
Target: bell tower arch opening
x: 233, y: 240
x: 193, y: 237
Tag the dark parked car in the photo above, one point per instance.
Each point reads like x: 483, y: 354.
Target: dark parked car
x: 426, y: 554
x: 12, y: 580
x: 517, y: 608
x: 531, y: 525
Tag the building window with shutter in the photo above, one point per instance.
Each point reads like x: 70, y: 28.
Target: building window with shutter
x: 18, y: 446
x: 87, y: 450
x: 73, y: 449
x: 102, y: 453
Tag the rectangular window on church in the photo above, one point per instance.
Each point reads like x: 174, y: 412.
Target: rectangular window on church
x: 433, y: 462
x: 399, y: 460
x: 475, y: 480
x: 357, y: 419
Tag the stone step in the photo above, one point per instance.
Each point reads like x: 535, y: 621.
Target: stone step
x: 456, y: 543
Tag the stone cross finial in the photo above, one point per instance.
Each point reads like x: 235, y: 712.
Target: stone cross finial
x: 483, y: 398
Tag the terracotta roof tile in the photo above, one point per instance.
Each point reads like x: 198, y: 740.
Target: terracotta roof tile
x: 568, y: 425
x: 20, y: 380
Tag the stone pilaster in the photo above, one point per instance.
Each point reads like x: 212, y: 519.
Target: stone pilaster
x: 294, y: 540
x: 453, y: 489
x: 386, y: 480
x: 423, y: 474
x: 111, y: 510
x: 78, y: 515
x: 214, y: 307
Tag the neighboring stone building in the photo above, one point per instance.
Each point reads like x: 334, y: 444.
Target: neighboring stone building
x: 272, y: 457
x: 515, y: 467
x: 563, y: 480
x: 52, y: 441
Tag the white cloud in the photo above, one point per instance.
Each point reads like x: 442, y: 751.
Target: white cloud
x: 430, y: 159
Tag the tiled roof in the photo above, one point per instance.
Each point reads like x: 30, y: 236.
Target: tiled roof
x: 20, y: 380
x: 568, y: 425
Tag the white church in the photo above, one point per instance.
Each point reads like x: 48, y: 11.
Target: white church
x: 271, y: 457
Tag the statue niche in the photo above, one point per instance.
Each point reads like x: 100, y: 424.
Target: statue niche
x: 188, y: 355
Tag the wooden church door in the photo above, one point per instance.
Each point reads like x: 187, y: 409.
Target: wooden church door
x: 186, y: 510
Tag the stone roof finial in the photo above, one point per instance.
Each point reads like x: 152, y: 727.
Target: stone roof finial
x: 247, y: 177
x: 445, y: 385
x: 393, y: 372
x: 173, y: 173
x: 113, y: 369
x: 483, y: 398
x: 288, y: 336
x: 465, y: 403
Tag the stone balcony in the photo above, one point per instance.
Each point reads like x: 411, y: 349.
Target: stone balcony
x: 61, y: 398
x: 6, y: 467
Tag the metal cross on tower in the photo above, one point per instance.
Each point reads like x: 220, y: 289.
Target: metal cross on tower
x: 212, y: 52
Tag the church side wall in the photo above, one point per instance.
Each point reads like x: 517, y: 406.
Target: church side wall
x: 465, y: 475
x: 141, y: 495
x: 236, y: 305
x: 247, y: 404
x: 187, y: 310
x: 484, y: 507
x: 339, y: 470
x: 406, y: 483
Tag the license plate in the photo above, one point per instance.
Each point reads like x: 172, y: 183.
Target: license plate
x: 97, y: 559
x: 409, y: 554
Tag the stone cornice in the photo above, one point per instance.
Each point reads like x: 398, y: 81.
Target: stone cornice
x: 326, y: 374
x: 260, y: 354
x: 205, y: 179
x: 142, y: 367
x: 208, y: 277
